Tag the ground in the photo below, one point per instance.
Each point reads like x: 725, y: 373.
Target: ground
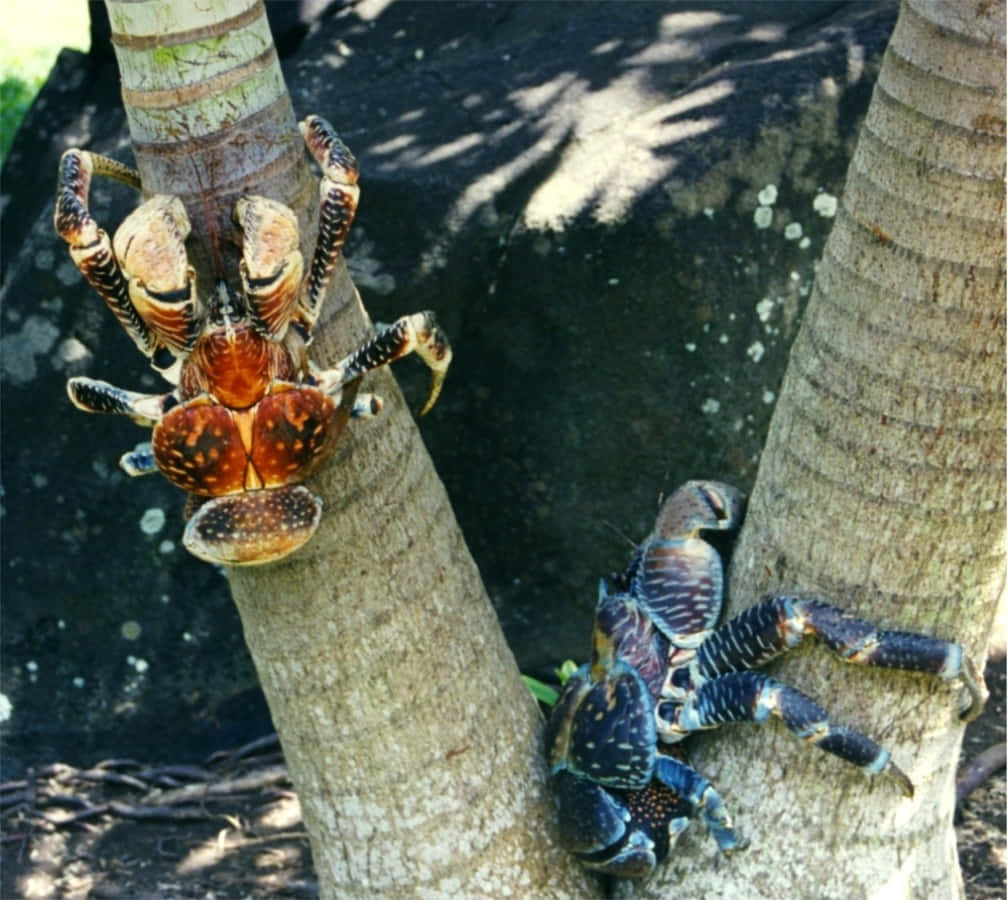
x: 232, y: 828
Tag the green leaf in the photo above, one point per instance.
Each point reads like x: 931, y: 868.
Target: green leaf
x: 567, y: 668
x: 542, y: 692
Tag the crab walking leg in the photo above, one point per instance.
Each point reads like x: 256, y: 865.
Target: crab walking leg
x: 418, y: 333
x: 139, y: 461
x: 753, y: 697
x: 338, y: 196
x: 698, y: 792
x: 588, y: 818
x: 92, y: 395
x: 90, y: 246
x: 776, y: 624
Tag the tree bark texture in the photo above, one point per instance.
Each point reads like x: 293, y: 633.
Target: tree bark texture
x: 412, y: 740
x: 209, y: 116
x: 882, y: 483
x: 409, y: 735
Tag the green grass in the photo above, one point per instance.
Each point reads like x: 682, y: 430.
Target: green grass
x: 32, y: 32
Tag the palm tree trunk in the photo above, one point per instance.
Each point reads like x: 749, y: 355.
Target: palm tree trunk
x: 209, y: 116
x: 408, y: 733
x: 882, y: 483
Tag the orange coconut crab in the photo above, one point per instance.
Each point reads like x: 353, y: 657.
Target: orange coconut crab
x: 249, y: 417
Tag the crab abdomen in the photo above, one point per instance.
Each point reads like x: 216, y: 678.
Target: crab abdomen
x: 294, y: 430
x: 210, y: 450
x: 198, y: 446
x: 253, y: 527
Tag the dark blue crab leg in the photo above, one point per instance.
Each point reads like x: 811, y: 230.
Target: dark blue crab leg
x: 777, y: 624
x: 623, y: 833
x: 698, y: 792
x: 593, y: 820
x: 753, y: 697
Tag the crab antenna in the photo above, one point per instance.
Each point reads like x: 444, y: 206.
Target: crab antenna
x: 117, y: 171
x: 618, y: 532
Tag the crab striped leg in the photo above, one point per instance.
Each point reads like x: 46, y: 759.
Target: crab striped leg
x: 418, y: 333
x: 90, y: 246
x: 777, y: 624
x: 95, y: 396
x: 338, y: 196
x: 754, y: 697
x: 92, y: 395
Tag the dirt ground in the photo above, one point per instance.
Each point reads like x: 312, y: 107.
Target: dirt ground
x: 232, y: 828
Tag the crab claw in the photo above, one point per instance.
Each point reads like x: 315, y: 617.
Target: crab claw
x: 700, y: 506
x: 254, y: 526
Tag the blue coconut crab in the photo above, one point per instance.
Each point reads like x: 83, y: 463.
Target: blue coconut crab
x: 662, y: 669
x: 249, y: 417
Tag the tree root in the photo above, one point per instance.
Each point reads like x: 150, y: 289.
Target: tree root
x: 978, y: 770
x: 59, y: 795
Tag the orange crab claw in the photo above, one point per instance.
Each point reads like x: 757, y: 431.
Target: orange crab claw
x: 253, y: 527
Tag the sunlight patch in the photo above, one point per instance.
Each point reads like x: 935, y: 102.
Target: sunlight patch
x: 210, y: 853
x: 282, y: 814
